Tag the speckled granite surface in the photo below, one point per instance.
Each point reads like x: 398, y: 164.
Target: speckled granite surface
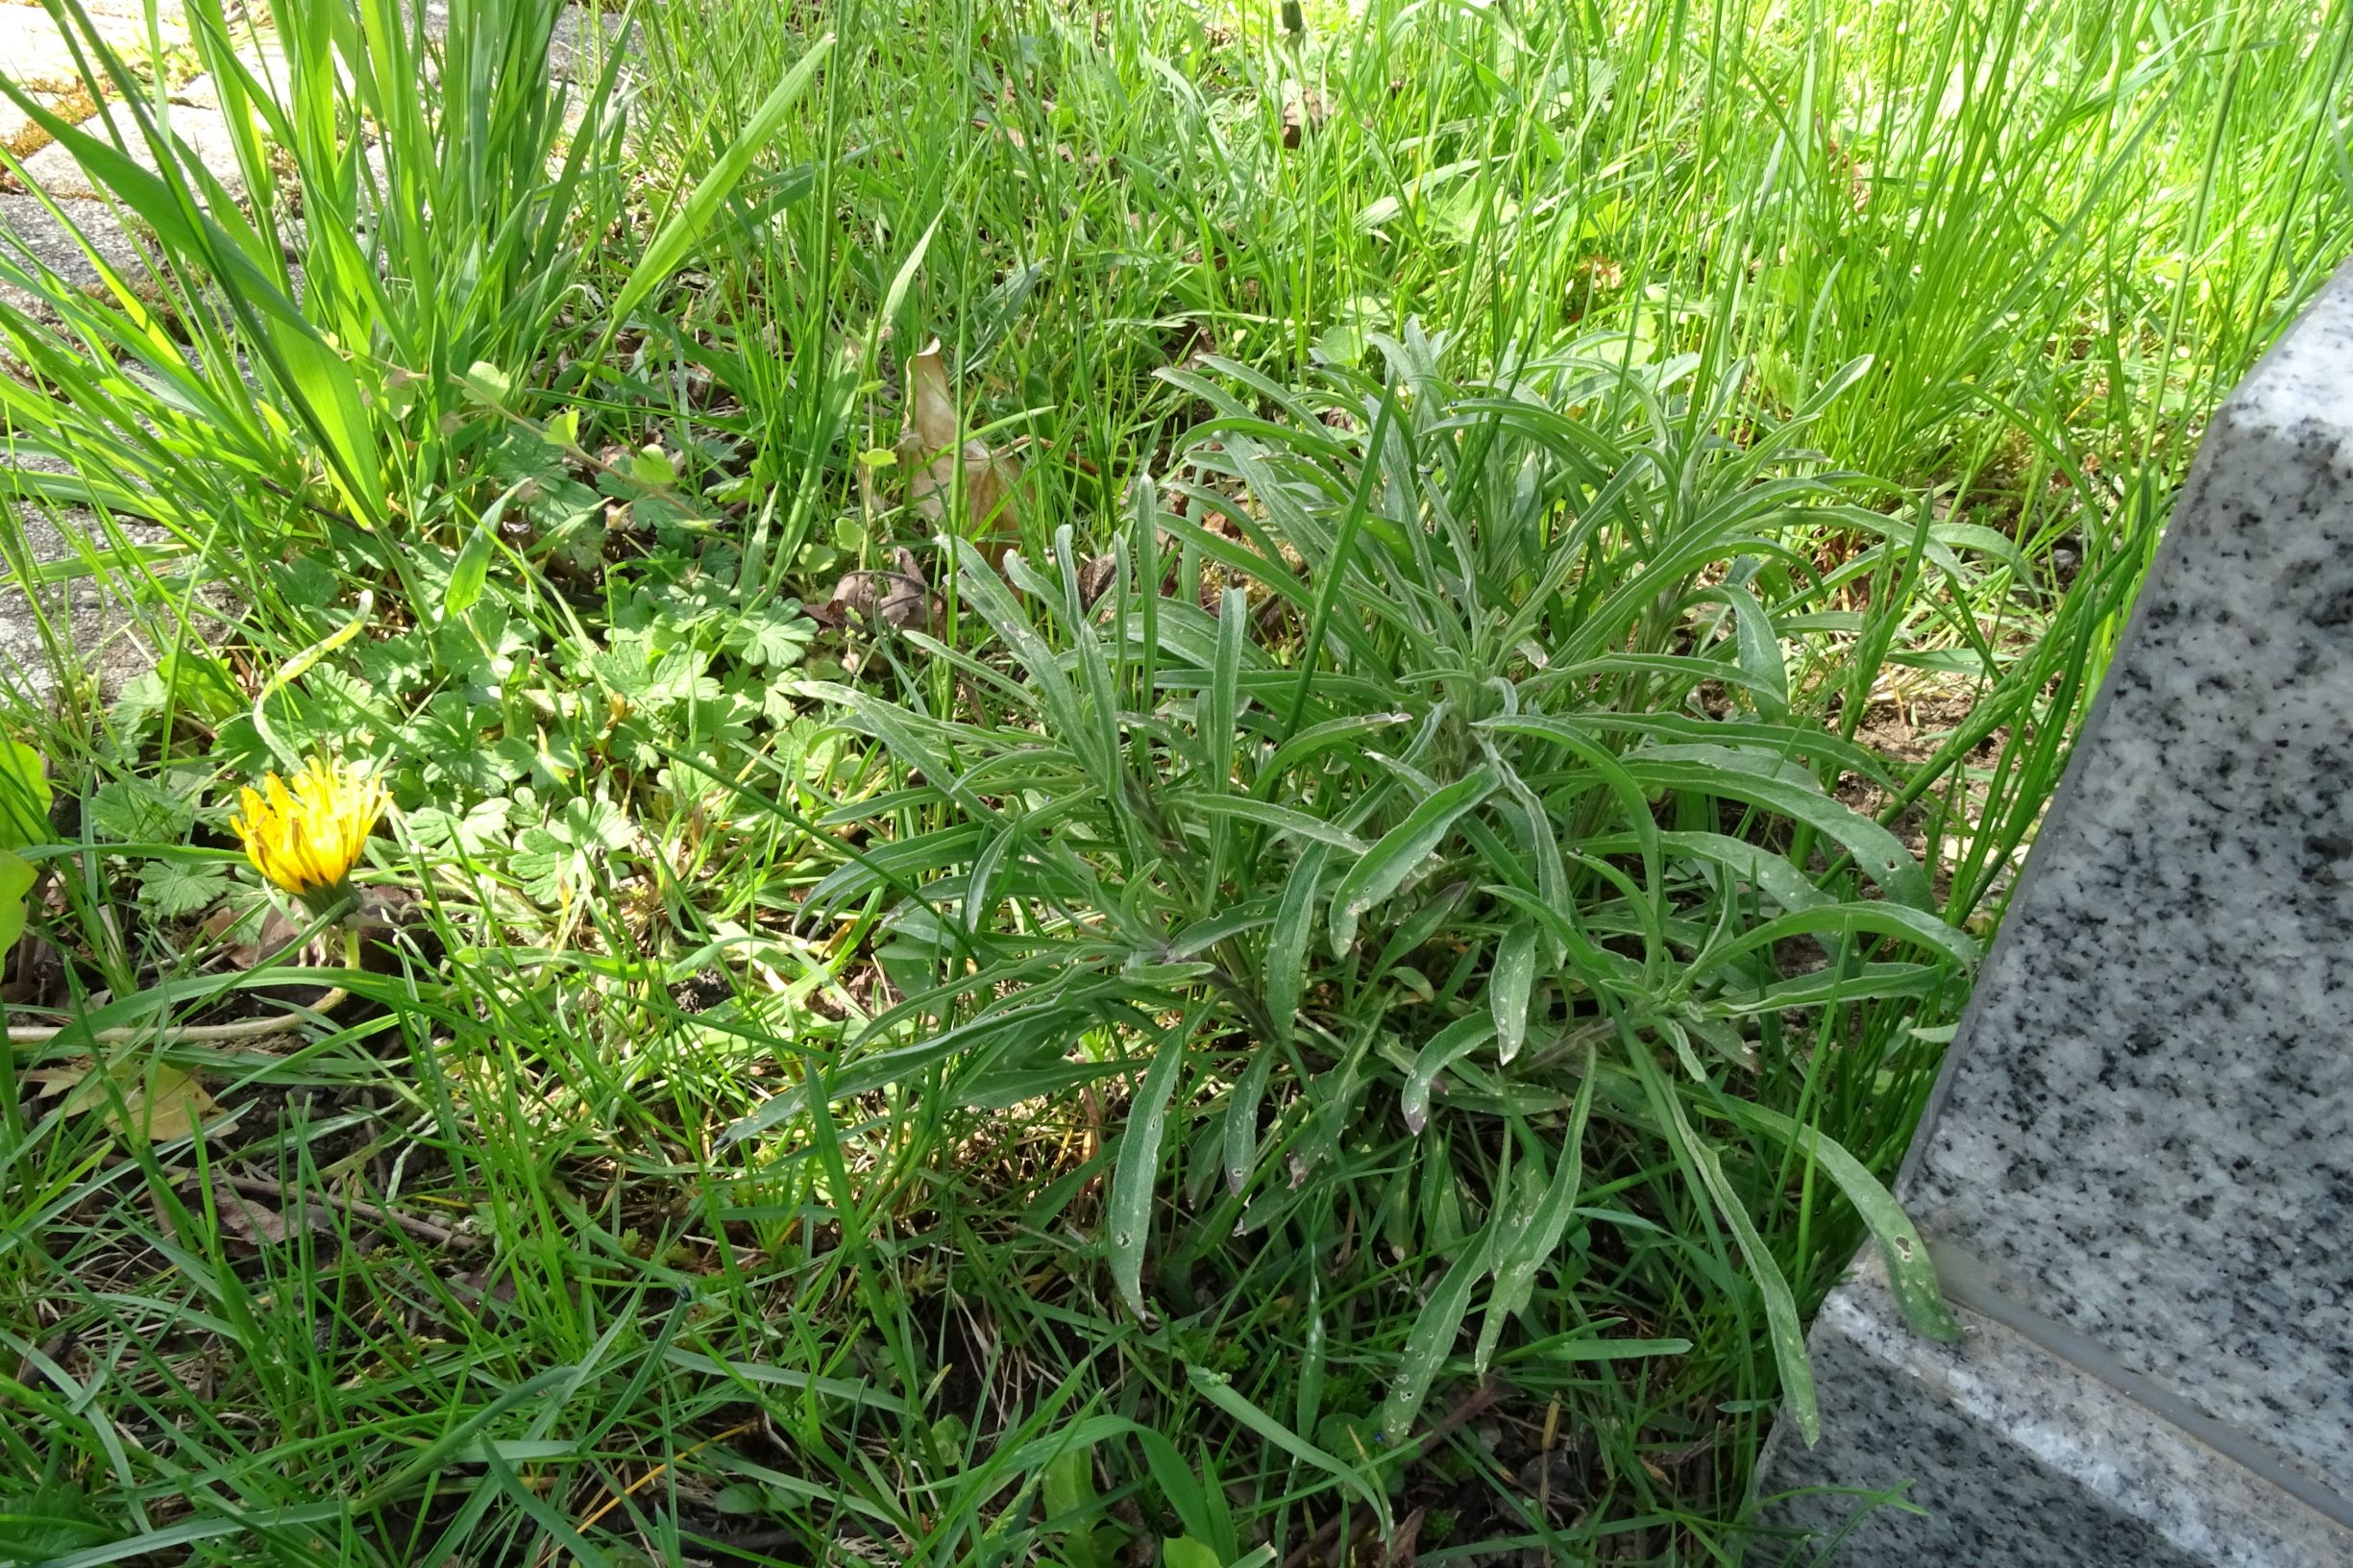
x: 2145, y: 1129
x: 2024, y: 1461
x: 2144, y: 1138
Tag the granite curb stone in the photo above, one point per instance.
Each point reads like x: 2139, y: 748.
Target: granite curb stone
x: 2004, y: 1437
x: 2141, y: 1145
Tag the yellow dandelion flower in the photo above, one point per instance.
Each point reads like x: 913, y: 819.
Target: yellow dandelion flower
x: 306, y: 836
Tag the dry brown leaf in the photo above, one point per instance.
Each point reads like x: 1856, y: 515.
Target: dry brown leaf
x: 250, y: 1220
x: 170, y: 1104
x: 1405, y: 1543
x: 1302, y: 111
x: 897, y: 599
x: 247, y: 1220
x: 909, y: 601
x: 273, y: 937
x: 1094, y: 575
x: 35, y: 971
x: 931, y: 454
x: 853, y: 600
x: 162, y: 1104
x: 48, y: 1081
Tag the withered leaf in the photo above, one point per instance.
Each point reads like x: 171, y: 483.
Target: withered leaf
x: 48, y: 1081
x: 1302, y: 111
x: 35, y: 970
x: 932, y: 456
x: 1094, y: 577
x: 1405, y: 1543
x: 274, y: 936
x: 908, y: 602
x: 252, y: 1220
x: 157, y: 1105
x: 897, y: 599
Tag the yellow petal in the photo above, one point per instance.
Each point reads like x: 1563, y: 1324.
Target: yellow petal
x: 306, y: 834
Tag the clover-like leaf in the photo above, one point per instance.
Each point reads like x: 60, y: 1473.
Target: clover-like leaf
x: 174, y: 888
x: 138, y: 810
x: 774, y: 636
x: 472, y: 833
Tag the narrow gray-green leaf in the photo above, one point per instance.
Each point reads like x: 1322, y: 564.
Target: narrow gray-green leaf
x: 869, y: 1073
x: 1769, y: 873
x: 1202, y: 935
x: 1242, y: 1125
x: 851, y: 1391
x: 904, y: 279
x: 979, y: 585
x: 1821, y: 747
x: 1138, y: 1171
x: 1911, y: 1275
x: 1543, y: 851
x: 1384, y: 867
x: 1879, y: 853
x: 1433, y: 1337
x: 1221, y: 1392
x: 1844, y: 985
x: 1448, y: 1046
x: 1764, y: 764
x: 1220, y: 701
x: 1286, y: 948
x: 1510, y: 985
x: 1528, y: 1249
x: 1758, y: 648
x: 1282, y: 819
x: 1574, y: 736
x: 1319, y: 738
x: 1916, y: 926
x: 1782, y: 1329
x: 469, y: 571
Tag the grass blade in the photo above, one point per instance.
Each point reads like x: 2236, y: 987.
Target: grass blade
x: 693, y: 218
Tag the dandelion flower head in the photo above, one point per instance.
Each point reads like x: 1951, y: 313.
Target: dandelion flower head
x: 305, y: 834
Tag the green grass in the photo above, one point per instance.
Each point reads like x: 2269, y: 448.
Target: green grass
x: 1365, y: 984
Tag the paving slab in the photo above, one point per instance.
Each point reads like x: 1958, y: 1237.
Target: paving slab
x: 29, y: 231
x: 86, y: 621
x: 204, y: 91
x: 2025, y: 1458
x: 584, y: 41
x: 86, y: 616
x: 2021, y: 1458
x: 169, y: 10
x: 37, y: 58
x: 204, y: 132
x: 23, y: 135
x: 2145, y: 1130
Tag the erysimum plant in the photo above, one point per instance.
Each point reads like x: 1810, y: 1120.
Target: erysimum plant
x: 1441, y: 761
